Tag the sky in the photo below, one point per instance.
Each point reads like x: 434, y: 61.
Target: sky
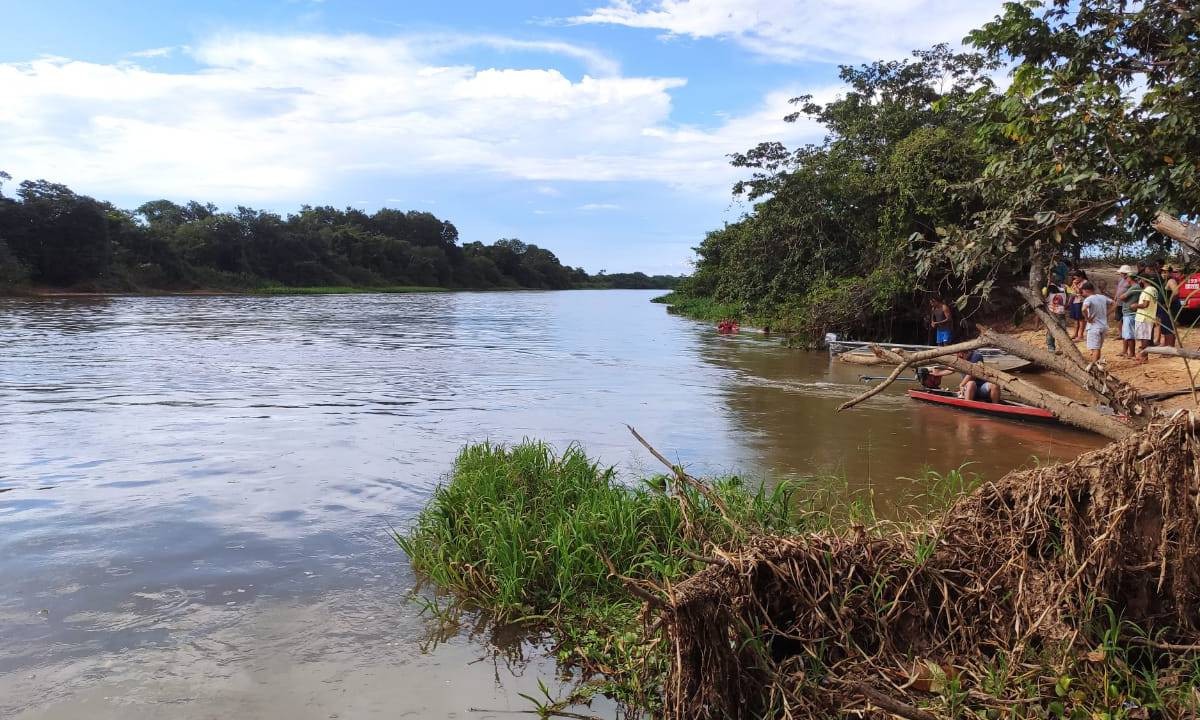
x: 599, y: 129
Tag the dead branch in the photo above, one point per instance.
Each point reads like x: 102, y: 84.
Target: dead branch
x: 909, y: 361
x: 1174, y: 352
x: 892, y: 705
x: 684, y: 479
x: 633, y: 586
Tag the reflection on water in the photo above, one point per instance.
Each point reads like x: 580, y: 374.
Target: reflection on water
x: 195, y: 493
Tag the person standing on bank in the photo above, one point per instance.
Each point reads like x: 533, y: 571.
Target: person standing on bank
x: 941, y: 320
x: 1095, y: 311
x: 1147, y: 316
x: 1075, y: 304
x: 1128, y: 291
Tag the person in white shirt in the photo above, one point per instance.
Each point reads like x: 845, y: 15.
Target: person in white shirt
x: 1095, y: 312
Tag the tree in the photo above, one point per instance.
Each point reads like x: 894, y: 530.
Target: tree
x: 1096, y: 135
x: 832, y: 238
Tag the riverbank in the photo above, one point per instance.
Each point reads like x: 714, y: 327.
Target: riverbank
x: 685, y: 599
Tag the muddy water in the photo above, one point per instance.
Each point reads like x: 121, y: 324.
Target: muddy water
x: 195, y: 493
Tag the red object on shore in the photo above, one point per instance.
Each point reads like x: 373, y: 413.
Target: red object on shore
x: 727, y: 327
x: 1004, y: 408
x: 1189, y: 292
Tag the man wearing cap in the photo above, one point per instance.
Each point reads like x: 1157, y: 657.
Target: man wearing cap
x: 1147, y: 316
x: 1127, y: 294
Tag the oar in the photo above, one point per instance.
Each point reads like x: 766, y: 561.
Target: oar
x: 877, y: 378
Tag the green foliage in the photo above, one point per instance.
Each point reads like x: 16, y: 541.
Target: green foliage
x: 832, y: 242
x: 525, y: 535
x: 50, y: 235
x: 1096, y: 134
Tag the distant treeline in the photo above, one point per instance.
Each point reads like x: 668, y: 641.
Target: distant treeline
x: 51, y: 236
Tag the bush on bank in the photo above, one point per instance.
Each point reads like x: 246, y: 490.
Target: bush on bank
x: 526, y: 535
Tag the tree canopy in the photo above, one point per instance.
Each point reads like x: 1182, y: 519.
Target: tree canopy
x: 50, y: 235
x: 931, y: 180
x: 1097, y: 134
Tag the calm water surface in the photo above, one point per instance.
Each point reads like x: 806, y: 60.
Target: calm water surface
x: 195, y: 493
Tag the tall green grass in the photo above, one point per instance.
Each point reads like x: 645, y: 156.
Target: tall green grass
x: 526, y: 535
x: 341, y: 289
x: 702, y: 308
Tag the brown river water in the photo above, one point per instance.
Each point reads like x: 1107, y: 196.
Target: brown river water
x: 196, y: 492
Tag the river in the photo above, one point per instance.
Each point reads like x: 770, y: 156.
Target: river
x: 196, y: 492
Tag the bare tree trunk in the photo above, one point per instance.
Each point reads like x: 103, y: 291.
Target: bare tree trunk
x: 1119, y: 395
x: 1185, y: 233
x: 1067, y: 410
x: 1061, y: 338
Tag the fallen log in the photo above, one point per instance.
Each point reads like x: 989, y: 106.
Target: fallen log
x: 1174, y: 352
x: 1122, y: 397
x: 1065, y: 409
x: 1061, y: 338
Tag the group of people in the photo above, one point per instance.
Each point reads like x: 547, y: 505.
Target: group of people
x: 1145, y: 303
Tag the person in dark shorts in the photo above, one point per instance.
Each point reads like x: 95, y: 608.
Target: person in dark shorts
x: 973, y: 388
x: 941, y: 320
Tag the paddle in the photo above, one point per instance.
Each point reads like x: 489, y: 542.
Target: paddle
x: 877, y: 378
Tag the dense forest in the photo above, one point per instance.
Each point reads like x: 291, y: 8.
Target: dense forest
x: 52, y: 236
x: 932, y: 180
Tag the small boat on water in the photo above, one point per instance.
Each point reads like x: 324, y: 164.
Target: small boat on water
x: 859, y: 353
x: 1004, y: 408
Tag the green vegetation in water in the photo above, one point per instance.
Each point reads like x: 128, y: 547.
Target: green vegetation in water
x: 702, y: 308
x: 342, y: 290
x: 556, y: 544
x: 527, y: 536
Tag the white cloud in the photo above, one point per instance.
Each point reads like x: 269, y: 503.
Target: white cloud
x: 796, y: 30
x: 599, y: 206
x: 154, y: 52
x: 284, y: 117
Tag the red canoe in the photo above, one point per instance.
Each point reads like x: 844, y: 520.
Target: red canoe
x: 1004, y: 408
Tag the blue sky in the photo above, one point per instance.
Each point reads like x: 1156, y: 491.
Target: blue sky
x: 597, y: 128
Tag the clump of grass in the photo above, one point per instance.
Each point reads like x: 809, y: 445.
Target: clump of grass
x: 703, y: 308
x: 530, y: 536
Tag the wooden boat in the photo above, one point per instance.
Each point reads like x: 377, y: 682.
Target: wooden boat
x: 1004, y: 408
x: 859, y: 353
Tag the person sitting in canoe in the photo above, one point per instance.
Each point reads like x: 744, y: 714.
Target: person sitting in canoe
x: 971, y: 388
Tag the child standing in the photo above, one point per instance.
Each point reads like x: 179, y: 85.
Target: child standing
x: 1095, y: 312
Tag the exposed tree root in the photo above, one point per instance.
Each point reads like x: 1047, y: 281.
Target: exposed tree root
x: 805, y: 626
